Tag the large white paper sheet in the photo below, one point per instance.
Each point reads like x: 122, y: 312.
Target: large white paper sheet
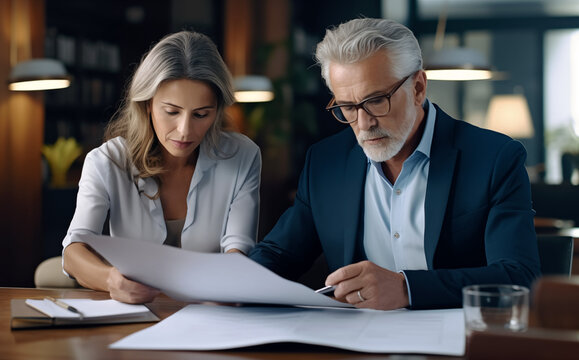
x: 195, y: 277
x: 207, y: 327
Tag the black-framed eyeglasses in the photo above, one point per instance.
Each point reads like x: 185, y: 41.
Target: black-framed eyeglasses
x: 377, y: 105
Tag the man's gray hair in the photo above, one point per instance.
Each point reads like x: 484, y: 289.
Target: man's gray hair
x: 359, y: 39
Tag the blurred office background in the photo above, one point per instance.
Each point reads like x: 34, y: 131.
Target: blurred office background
x: 531, y: 46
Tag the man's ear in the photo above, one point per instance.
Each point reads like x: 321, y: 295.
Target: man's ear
x: 419, y: 87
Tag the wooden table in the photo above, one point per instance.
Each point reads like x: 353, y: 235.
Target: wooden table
x: 92, y: 342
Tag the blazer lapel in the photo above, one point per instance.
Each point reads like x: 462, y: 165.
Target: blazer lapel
x: 442, y: 163
x: 356, y: 164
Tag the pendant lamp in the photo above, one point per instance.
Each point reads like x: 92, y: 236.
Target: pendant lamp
x: 38, y: 74
x: 458, y: 64
x: 32, y: 74
x: 253, y: 88
x: 455, y: 63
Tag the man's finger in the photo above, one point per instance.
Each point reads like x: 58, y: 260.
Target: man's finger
x: 344, y: 273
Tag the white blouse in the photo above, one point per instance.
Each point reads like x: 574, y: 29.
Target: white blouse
x: 222, y: 202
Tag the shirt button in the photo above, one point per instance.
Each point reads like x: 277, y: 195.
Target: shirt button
x: 398, y: 191
x: 396, y: 235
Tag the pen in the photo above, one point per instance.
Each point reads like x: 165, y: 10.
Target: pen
x: 326, y: 290
x: 64, y: 306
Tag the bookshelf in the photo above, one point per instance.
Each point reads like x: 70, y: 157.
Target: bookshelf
x: 82, y: 110
x: 100, y: 43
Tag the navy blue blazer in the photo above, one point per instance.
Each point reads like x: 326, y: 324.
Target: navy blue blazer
x: 478, y: 213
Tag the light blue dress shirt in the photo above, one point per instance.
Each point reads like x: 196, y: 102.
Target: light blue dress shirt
x: 394, y: 213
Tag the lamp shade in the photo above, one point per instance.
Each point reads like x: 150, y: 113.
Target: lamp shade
x: 253, y: 88
x: 457, y: 64
x: 509, y: 114
x: 38, y: 74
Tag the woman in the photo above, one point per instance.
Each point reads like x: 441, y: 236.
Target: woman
x: 167, y: 172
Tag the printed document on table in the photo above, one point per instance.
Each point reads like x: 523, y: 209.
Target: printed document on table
x: 211, y: 327
x: 196, y: 277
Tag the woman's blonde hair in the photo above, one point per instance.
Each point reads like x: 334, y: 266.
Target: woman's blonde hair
x: 182, y: 55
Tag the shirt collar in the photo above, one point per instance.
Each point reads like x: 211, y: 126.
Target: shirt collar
x: 204, y: 162
x: 426, y: 141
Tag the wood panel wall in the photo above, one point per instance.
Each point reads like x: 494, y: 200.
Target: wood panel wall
x: 21, y: 138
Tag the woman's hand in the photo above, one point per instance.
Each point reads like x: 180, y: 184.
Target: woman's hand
x: 231, y: 251
x: 128, y: 291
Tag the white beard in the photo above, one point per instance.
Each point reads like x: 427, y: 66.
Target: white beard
x: 392, y: 141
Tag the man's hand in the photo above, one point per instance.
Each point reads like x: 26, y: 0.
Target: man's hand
x: 128, y: 291
x: 366, y: 285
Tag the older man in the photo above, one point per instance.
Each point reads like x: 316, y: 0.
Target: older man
x: 410, y: 205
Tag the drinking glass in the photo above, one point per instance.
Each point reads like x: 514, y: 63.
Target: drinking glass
x: 495, y: 306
